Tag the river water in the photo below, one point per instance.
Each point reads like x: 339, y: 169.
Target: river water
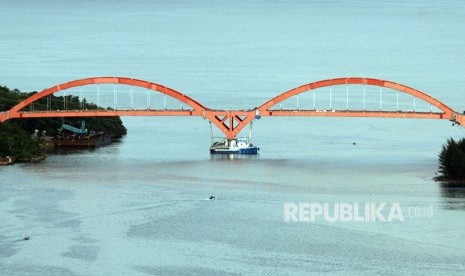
x: 140, y: 206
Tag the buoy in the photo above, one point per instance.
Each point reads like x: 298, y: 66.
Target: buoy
x: 212, y: 197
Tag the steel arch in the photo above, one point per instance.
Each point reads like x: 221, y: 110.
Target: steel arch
x: 197, y: 107
x: 231, y: 122
x: 265, y: 108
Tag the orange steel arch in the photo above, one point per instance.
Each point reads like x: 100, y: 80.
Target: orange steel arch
x: 231, y: 122
x: 196, y: 106
x: 266, y: 111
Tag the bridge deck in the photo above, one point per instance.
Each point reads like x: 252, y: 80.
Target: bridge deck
x: 231, y: 122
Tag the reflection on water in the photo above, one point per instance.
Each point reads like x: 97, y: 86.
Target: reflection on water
x: 69, y: 151
x: 453, y: 195
x: 234, y: 156
x: 83, y: 150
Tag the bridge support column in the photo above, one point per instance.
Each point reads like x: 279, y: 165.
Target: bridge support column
x: 230, y: 122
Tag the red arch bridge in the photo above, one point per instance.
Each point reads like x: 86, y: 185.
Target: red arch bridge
x: 340, y: 97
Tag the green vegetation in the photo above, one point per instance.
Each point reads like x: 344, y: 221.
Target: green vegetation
x: 15, y: 135
x: 17, y: 143
x: 452, y: 161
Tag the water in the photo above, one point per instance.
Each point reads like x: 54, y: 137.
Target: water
x: 140, y: 207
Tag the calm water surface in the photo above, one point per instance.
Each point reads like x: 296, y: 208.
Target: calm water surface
x: 140, y: 207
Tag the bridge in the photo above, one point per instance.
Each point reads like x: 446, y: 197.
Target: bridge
x: 374, y: 98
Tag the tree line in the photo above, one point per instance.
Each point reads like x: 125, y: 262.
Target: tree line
x: 15, y: 134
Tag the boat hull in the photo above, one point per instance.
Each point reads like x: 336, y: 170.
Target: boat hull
x: 92, y: 141
x: 249, y: 150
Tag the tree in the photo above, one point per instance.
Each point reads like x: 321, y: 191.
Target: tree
x: 452, y: 160
x: 17, y: 143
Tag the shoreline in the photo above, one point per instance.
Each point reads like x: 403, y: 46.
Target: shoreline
x: 49, y: 147
x: 449, y: 182
x: 5, y: 161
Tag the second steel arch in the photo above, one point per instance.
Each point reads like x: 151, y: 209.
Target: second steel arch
x: 265, y: 108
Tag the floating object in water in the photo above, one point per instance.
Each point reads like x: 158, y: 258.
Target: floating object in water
x: 212, y: 197
x: 234, y: 146
x: 354, y: 143
x: 27, y: 238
